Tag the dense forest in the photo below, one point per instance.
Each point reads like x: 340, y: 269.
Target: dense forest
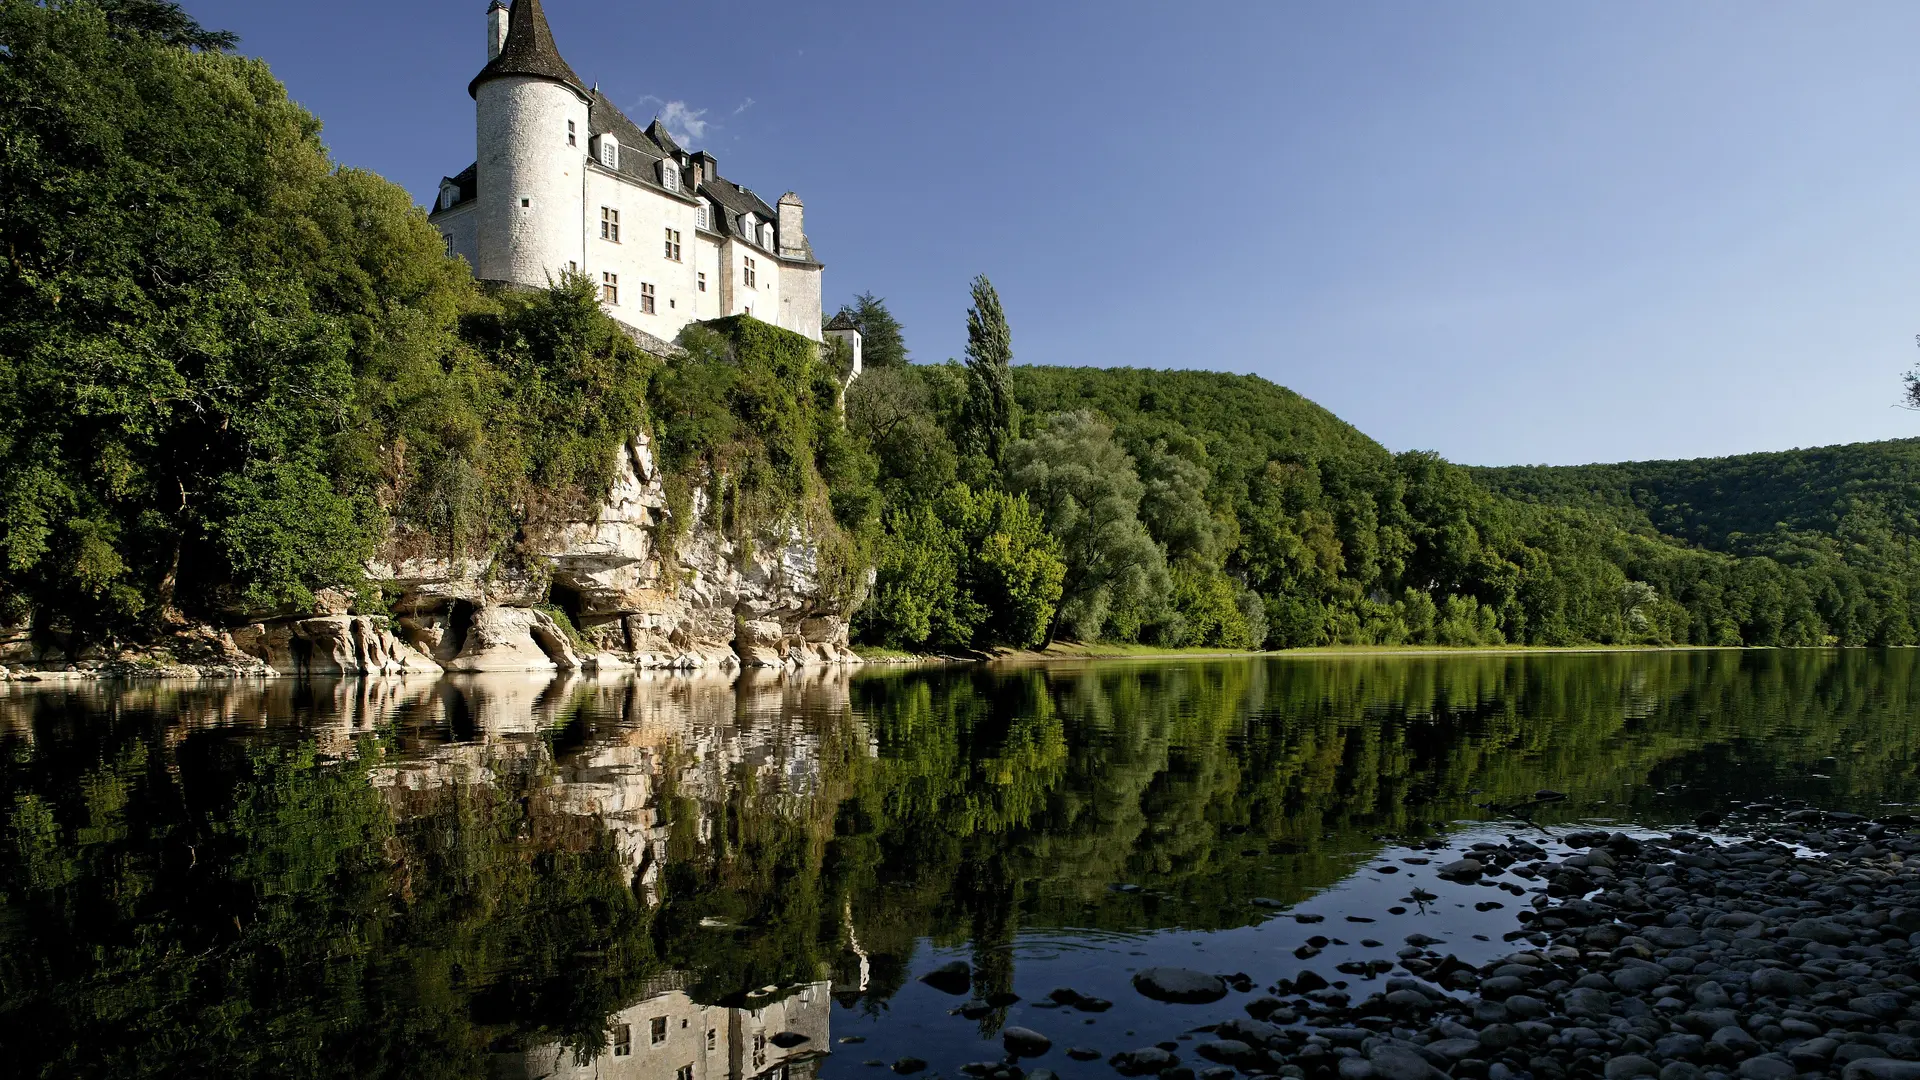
x: 1273, y: 522
x: 231, y: 370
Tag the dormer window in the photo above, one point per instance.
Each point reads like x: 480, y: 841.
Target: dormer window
x: 748, y: 227
x: 449, y: 194
x: 669, y: 176
x: 609, y: 153
x: 700, y: 218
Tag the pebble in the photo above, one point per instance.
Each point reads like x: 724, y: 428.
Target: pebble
x: 1785, y: 955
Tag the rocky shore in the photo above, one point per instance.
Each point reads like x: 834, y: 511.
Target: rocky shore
x: 1789, y: 952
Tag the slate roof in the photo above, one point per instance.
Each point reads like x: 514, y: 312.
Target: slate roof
x: 657, y: 131
x: 843, y: 321
x: 529, y: 50
x: 468, y: 184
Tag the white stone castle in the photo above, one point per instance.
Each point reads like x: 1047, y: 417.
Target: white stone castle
x: 565, y: 183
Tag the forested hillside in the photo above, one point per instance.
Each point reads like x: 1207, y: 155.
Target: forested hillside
x: 1746, y: 504
x: 1325, y: 537
x: 232, y: 370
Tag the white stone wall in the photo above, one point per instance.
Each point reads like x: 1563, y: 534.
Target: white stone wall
x: 762, y: 301
x: 800, y: 299
x: 461, y: 228
x: 530, y: 194
x: 640, y: 257
x: 707, y: 261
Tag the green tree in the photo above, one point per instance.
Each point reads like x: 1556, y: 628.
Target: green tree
x: 1086, y: 488
x: 883, y: 343
x: 992, y: 413
x: 966, y: 570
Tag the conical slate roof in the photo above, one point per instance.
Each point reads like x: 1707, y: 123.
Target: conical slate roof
x: 657, y: 131
x: 529, y: 51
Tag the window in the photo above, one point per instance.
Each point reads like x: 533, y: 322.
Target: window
x: 669, y: 176
x: 700, y: 217
x: 609, y: 224
x: 659, y: 1030
x: 701, y: 283
x: 759, y: 1049
x: 766, y: 237
x: 646, y: 298
x: 609, y: 288
x: 623, y: 1040
x: 685, y: 1073
x: 573, y: 137
x: 572, y: 267
x: 750, y: 273
x: 609, y: 151
x: 673, y: 244
x: 524, y: 203
x: 711, y: 1033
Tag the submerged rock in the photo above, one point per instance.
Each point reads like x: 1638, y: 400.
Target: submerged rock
x: 954, y: 978
x: 1025, y: 1042
x: 1180, y: 985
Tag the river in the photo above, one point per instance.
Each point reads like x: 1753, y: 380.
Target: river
x: 678, y: 878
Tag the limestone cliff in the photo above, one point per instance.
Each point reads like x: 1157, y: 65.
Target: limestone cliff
x: 708, y: 603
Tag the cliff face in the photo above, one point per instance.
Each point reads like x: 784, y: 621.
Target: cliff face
x: 708, y: 604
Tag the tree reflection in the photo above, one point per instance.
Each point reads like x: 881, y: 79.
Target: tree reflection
x: 435, y: 878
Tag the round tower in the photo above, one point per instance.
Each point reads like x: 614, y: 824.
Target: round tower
x: 532, y: 135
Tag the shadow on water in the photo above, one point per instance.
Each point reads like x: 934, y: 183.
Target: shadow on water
x: 687, y: 879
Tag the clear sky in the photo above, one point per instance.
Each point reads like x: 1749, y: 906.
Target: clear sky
x: 1510, y: 232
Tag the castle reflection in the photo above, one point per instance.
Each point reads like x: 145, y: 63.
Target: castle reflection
x: 780, y: 1035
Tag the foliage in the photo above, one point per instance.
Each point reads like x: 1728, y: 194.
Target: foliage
x: 882, y: 342
x: 230, y: 371
x: 1087, y: 491
x: 969, y: 570
x: 992, y: 417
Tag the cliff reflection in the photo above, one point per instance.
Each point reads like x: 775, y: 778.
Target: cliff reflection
x: 522, y: 876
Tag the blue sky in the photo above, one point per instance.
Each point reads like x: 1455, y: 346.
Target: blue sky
x: 1509, y: 232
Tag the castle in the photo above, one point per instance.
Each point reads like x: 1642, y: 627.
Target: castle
x: 565, y: 183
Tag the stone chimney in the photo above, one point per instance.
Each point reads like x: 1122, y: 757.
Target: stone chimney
x: 705, y: 168
x: 498, y: 19
x: 793, y: 231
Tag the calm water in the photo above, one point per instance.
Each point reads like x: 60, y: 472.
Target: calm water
x: 677, y: 879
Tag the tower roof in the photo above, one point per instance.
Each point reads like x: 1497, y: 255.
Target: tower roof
x: 657, y: 131
x: 843, y: 322
x: 529, y: 50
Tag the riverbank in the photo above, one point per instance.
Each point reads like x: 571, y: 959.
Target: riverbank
x: 138, y: 666
x: 1069, y: 651
x: 1781, y: 954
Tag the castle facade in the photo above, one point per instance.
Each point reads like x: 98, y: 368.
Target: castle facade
x: 564, y: 182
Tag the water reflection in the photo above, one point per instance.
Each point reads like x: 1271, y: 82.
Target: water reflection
x: 520, y: 876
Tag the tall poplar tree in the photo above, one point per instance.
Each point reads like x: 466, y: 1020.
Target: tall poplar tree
x: 991, y: 409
